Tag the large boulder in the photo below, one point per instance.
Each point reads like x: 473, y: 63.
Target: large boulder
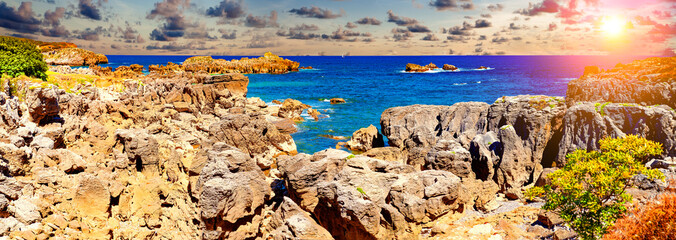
x: 365, y: 198
x: 292, y: 109
x: 586, y: 124
x: 365, y: 139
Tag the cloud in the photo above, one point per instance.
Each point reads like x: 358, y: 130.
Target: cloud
x: 262, y: 41
x: 552, y: 27
x: 464, y: 30
x: 500, y: 40
x: 227, y: 34
x: 177, y: 47
x: 486, y: 15
x: 87, y: 9
x: 350, y: 25
x: 442, y: 5
x: 481, y: 23
x: 546, y: 6
x: 305, y: 27
x: 405, y: 36
x: 315, y: 12
x: 347, y: 35
x: 418, y: 28
x: 262, y: 21
x: 90, y: 34
x: 400, y: 21
x: 495, y: 7
x: 54, y: 20
x: 175, y: 23
x: 21, y: 19
x: 369, y: 21
x: 227, y: 9
x: 430, y: 37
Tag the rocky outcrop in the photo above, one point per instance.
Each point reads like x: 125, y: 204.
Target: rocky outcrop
x: 422, y: 125
x: 337, y: 101
x: 586, y: 124
x: 292, y: 109
x: 365, y: 139
x: 42, y: 103
x: 269, y: 63
x: 253, y: 135
x: 647, y: 82
x: 74, y: 57
x: 365, y: 198
x: 449, y: 67
x: 417, y: 68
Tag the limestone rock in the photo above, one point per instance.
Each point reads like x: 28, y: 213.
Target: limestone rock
x: 449, y: 67
x: 387, y: 153
x: 24, y: 211
x: 292, y: 109
x: 383, y: 199
x: 449, y: 155
x: 649, y: 81
x: 141, y: 149
x: 92, y: 198
x: 253, y: 135
x: 42, y: 103
x: 365, y: 139
x: 586, y: 124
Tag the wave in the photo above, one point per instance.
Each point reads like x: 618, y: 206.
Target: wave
x: 439, y: 70
x: 459, y: 84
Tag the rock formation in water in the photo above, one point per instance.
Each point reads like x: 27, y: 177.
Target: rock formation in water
x: 269, y: 63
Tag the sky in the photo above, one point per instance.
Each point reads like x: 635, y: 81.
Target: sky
x: 349, y: 27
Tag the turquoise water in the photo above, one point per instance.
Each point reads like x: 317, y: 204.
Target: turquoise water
x: 372, y: 84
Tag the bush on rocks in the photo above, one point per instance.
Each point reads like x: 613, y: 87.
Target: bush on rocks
x: 19, y: 57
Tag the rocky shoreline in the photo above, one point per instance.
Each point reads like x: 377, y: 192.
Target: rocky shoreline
x: 181, y: 153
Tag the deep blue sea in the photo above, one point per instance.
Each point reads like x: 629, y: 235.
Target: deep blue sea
x: 372, y: 84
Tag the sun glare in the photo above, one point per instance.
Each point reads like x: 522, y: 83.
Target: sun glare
x: 613, y: 25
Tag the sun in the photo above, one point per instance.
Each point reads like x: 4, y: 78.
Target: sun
x: 613, y: 25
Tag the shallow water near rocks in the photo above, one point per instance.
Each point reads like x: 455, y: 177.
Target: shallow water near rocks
x: 372, y: 84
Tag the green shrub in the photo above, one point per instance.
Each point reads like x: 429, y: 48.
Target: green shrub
x: 589, y: 191
x: 19, y: 57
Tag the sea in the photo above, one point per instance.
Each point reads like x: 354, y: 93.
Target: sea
x: 372, y: 84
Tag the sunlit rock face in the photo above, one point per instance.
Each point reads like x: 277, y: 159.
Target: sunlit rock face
x: 650, y: 81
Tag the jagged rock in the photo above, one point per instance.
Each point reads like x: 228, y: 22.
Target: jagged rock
x: 516, y: 168
x: 16, y: 159
x: 485, y: 150
x: 648, y: 82
x: 92, y: 198
x: 42, y: 103
x: 9, y: 112
x: 24, y: 211
x: 42, y: 142
x: 294, y: 223
x: 538, y: 121
x: 292, y: 109
x: 253, y: 135
x: 140, y: 148
x: 387, y: 153
x: 586, y: 124
x: 65, y: 160
x: 449, y: 155
x: 383, y: 199
x: 365, y: 139
x: 422, y: 125
x: 549, y: 219
x: 231, y: 190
